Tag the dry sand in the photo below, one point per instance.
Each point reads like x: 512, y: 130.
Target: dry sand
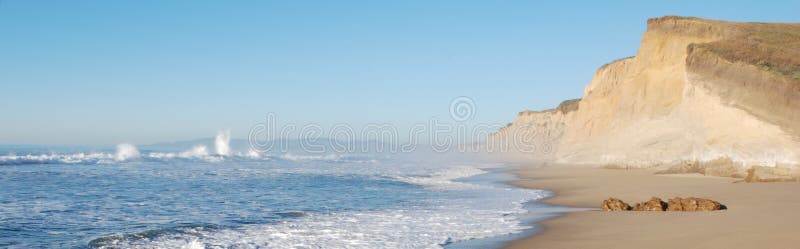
x: 759, y: 215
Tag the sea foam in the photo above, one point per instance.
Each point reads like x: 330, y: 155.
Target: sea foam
x: 222, y: 143
x: 482, y: 212
x: 126, y: 151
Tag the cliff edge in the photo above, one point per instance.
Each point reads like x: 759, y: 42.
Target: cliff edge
x: 697, y: 91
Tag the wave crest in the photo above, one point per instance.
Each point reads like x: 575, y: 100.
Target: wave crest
x: 126, y: 151
x: 222, y: 143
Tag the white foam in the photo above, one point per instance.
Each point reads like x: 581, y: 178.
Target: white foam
x: 468, y: 211
x: 90, y: 158
x: 222, y: 143
x: 475, y: 213
x: 444, y: 179
x: 194, y: 244
x: 253, y: 154
x: 126, y: 151
x: 327, y: 158
x: 297, y: 158
x: 195, y: 152
x: 387, y: 229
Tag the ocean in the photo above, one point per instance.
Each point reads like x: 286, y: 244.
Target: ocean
x: 72, y: 197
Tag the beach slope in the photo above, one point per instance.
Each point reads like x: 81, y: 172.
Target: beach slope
x: 759, y: 215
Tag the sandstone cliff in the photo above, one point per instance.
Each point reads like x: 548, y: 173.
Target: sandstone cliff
x: 696, y: 91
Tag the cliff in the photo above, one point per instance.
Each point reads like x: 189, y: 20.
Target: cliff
x: 696, y: 91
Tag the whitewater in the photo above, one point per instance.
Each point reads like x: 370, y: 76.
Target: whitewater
x: 197, y: 197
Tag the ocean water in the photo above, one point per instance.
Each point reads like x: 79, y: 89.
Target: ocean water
x: 126, y: 198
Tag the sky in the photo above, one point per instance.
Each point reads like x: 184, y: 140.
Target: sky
x: 106, y: 72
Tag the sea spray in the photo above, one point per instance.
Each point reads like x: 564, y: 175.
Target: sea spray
x: 222, y: 143
x: 196, y: 151
x: 125, y: 152
x: 253, y: 154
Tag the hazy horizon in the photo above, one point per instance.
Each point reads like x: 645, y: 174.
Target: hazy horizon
x: 103, y: 73
x: 410, y: 124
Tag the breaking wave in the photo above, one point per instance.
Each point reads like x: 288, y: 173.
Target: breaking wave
x: 445, y: 179
x: 125, y: 152
x: 489, y: 210
x: 128, y: 153
x: 222, y: 143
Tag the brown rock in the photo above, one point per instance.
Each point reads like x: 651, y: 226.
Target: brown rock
x: 614, y: 204
x: 654, y: 204
x: 751, y: 176
x: 770, y: 174
x: 693, y: 204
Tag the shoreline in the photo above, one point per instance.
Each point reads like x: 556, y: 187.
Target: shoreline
x: 758, y: 215
x: 535, y: 210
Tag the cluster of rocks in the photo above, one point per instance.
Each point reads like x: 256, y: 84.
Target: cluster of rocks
x: 656, y: 204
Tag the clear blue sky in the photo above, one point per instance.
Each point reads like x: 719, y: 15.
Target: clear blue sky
x: 104, y: 72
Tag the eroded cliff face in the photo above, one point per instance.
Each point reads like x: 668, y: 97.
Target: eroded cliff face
x: 683, y: 98
x: 536, y: 134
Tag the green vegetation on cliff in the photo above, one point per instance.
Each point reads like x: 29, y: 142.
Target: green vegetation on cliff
x: 773, y: 47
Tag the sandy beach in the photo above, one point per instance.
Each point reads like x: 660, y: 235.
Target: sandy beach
x: 759, y: 215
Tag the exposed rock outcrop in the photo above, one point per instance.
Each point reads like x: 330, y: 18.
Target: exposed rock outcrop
x: 613, y: 204
x: 693, y: 204
x: 763, y: 174
x: 716, y: 167
x: 654, y: 204
x: 709, y: 96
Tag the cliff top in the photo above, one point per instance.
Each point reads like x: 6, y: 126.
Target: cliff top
x: 565, y: 107
x: 773, y: 47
